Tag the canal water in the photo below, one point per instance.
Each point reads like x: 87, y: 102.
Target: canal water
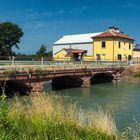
x: 121, y: 100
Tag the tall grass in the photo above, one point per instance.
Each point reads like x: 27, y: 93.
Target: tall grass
x: 47, y: 117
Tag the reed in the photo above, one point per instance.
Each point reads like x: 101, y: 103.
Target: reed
x: 49, y: 117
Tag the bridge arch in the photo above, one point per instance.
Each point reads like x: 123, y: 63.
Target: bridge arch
x: 12, y: 88
x: 101, y: 78
x: 64, y: 82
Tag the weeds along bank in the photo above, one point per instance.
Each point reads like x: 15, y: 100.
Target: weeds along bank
x: 132, y: 74
x: 44, y: 117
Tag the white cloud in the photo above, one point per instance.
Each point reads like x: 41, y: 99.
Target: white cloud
x: 39, y: 25
x: 36, y: 15
x: 78, y: 10
x: 129, y: 4
x: 51, y: 13
x: 33, y: 25
x: 30, y: 14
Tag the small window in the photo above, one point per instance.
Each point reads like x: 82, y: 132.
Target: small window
x: 98, y: 56
x: 124, y: 45
x: 119, y: 46
x: 103, y: 44
x: 119, y: 57
x: 129, y: 46
x: 129, y: 57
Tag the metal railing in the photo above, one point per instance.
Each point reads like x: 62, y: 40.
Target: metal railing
x: 59, y: 65
x: 42, y: 62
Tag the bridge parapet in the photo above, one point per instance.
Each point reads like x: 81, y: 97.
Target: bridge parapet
x: 61, y: 66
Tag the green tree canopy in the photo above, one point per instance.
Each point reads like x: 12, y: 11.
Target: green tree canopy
x: 42, y: 51
x: 10, y: 35
x: 49, y: 55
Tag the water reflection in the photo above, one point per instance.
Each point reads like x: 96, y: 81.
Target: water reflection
x: 122, y: 100
x: 86, y: 92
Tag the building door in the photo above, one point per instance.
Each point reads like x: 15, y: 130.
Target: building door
x: 76, y: 56
x: 98, y: 57
x: 119, y: 57
x: 129, y: 57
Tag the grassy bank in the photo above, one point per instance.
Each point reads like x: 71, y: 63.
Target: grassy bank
x: 136, y: 74
x: 44, y: 117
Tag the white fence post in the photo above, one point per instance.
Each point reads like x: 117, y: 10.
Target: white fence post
x: 13, y: 60
x: 42, y: 61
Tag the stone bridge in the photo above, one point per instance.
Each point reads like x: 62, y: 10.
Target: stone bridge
x: 68, y: 81
x: 23, y: 82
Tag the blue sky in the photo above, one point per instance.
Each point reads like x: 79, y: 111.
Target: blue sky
x: 45, y: 21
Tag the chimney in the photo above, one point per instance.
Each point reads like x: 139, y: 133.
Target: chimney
x: 111, y: 28
x: 117, y: 30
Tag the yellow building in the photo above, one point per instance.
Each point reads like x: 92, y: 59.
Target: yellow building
x: 112, y: 45
x: 69, y: 54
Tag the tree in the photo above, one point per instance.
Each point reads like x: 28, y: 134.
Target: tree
x: 49, y: 55
x: 10, y: 35
x: 42, y: 51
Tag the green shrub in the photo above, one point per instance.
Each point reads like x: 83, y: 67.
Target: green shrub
x: 136, y: 74
x: 10, y: 73
x: 39, y: 70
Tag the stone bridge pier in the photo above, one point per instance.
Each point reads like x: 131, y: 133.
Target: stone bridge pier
x: 86, y: 82
x: 37, y: 86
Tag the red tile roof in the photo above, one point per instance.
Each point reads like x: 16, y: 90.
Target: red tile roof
x: 111, y: 33
x: 75, y: 50
x: 69, y: 54
x: 72, y: 51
